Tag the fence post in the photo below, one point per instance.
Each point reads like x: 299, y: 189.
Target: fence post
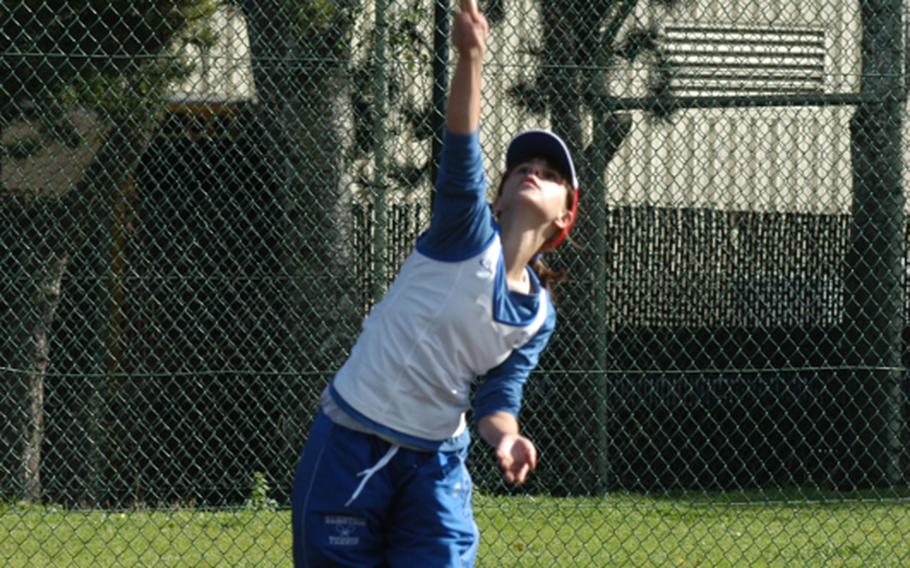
x: 870, y: 396
x: 599, y: 143
x: 380, y: 90
x: 440, y: 83
x: 99, y: 269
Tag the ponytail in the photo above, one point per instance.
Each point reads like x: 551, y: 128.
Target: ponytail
x: 548, y: 278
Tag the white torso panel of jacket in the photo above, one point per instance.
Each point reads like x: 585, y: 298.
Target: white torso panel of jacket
x: 429, y: 338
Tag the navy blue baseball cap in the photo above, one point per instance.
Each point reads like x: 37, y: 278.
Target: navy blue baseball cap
x: 534, y: 143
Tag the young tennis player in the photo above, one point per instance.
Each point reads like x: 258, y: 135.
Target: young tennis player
x: 382, y: 478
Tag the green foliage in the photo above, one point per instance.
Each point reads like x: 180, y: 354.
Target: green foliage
x: 259, y: 494
x: 23, y: 148
x: 314, y: 13
x: 408, y: 51
x: 322, y: 27
x: 407, y: 45
x: 114, y: 56
x: 638, y: 42
x: 531, y: 97
x: 601, y: 35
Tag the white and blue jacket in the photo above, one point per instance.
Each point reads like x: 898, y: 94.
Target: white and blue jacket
x: 447, y: 320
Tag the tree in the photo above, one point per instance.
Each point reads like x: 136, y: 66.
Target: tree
x: 580, y: 44
x: 110, y: 61
x: 301, y: 64
x: 330, y: 95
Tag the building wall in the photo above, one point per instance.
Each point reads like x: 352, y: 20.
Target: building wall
x: 770, y: 159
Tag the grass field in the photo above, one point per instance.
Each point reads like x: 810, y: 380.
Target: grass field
x: 794, y: 529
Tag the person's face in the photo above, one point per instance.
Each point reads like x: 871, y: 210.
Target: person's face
x: 537, y: 186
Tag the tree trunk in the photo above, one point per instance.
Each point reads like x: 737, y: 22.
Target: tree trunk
x: 565, y: 23
x: 562, y: 23
x: 306, y: 124
x: 34, y: 304
x: 86, y: 219
x: 321, y: 130
x: 49, y: 273
x: 55, y: 230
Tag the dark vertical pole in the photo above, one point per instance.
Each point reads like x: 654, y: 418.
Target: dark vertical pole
x: 608, y: 133
x: 869, y: 399
x: 441, y: 17
x: 598, y: 215
x: 380, y: 94
x: 98, y: 251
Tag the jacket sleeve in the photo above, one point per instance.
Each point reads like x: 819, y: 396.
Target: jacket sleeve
x: 462, y: 224
x: 502, y: 387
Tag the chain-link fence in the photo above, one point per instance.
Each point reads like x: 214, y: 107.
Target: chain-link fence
x: 201, y: 200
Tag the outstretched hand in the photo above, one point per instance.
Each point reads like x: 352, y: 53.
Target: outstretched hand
x: 517, y: 457
x: 470, y: 29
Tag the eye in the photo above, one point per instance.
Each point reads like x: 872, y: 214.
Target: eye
x: 551, y: 175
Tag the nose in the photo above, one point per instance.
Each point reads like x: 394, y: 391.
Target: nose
x: 535, y: 168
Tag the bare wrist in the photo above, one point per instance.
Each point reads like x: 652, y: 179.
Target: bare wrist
x: 474, y: 55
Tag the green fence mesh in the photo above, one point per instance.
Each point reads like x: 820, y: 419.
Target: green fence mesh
x: 201, y: 200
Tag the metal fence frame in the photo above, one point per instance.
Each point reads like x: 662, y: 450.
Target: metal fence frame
x: 187, y: 334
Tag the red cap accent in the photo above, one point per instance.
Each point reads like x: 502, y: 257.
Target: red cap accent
x: 559, y: 237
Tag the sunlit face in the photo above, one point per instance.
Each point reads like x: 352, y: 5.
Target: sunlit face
x: 538, y: 188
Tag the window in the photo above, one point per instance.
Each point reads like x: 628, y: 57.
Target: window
x: 744, y: 60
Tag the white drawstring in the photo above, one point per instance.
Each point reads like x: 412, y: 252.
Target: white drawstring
x: 368, y: 473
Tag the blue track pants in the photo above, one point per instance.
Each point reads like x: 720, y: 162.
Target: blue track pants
x: 361, y: 501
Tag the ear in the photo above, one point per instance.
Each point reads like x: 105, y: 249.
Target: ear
x: 495, y: 207
x: 559, y: 224
x: 563, y: 221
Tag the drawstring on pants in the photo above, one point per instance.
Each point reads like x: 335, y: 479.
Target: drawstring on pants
x: 368, y: 473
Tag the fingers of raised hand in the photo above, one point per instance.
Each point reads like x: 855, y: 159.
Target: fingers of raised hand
x: 469, y: 7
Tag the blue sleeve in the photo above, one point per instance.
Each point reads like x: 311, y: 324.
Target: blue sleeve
x: 502, y: 387
x: 462, y: 224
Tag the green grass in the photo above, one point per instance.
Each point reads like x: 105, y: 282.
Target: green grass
x: 714, y: 530
x: 46, y: 537
x: 696, y: 530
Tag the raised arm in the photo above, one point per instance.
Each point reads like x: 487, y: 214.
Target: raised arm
x: 462, y: 224
x: 469, y: 36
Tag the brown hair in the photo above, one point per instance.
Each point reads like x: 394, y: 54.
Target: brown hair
x: 548, y: 277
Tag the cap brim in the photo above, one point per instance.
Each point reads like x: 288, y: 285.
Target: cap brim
x: 534, y: 143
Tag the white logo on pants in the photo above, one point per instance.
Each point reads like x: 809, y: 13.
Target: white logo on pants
x: 344, y: 528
